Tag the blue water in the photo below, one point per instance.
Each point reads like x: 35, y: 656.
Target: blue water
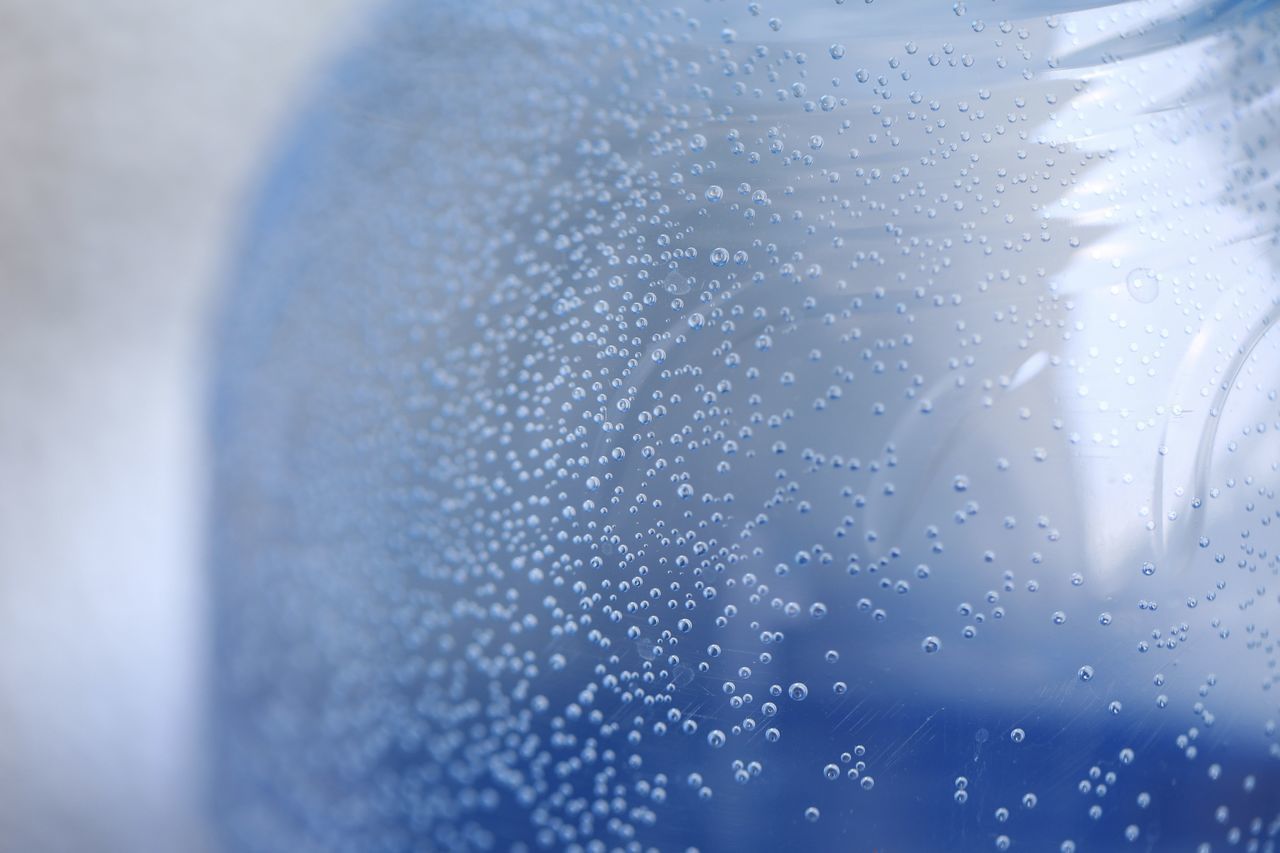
x: 758, y: 426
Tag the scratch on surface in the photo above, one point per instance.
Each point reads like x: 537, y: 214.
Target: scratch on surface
x: 893, y: 755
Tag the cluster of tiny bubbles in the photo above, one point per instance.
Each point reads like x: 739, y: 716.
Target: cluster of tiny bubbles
x: 635, y: 389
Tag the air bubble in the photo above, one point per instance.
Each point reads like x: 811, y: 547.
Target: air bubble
x: 1143, y: 285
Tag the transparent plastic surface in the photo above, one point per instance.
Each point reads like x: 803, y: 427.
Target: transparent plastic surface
x: 748, y: 426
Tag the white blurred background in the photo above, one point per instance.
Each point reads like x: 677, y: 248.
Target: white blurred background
x: 132, y: 133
